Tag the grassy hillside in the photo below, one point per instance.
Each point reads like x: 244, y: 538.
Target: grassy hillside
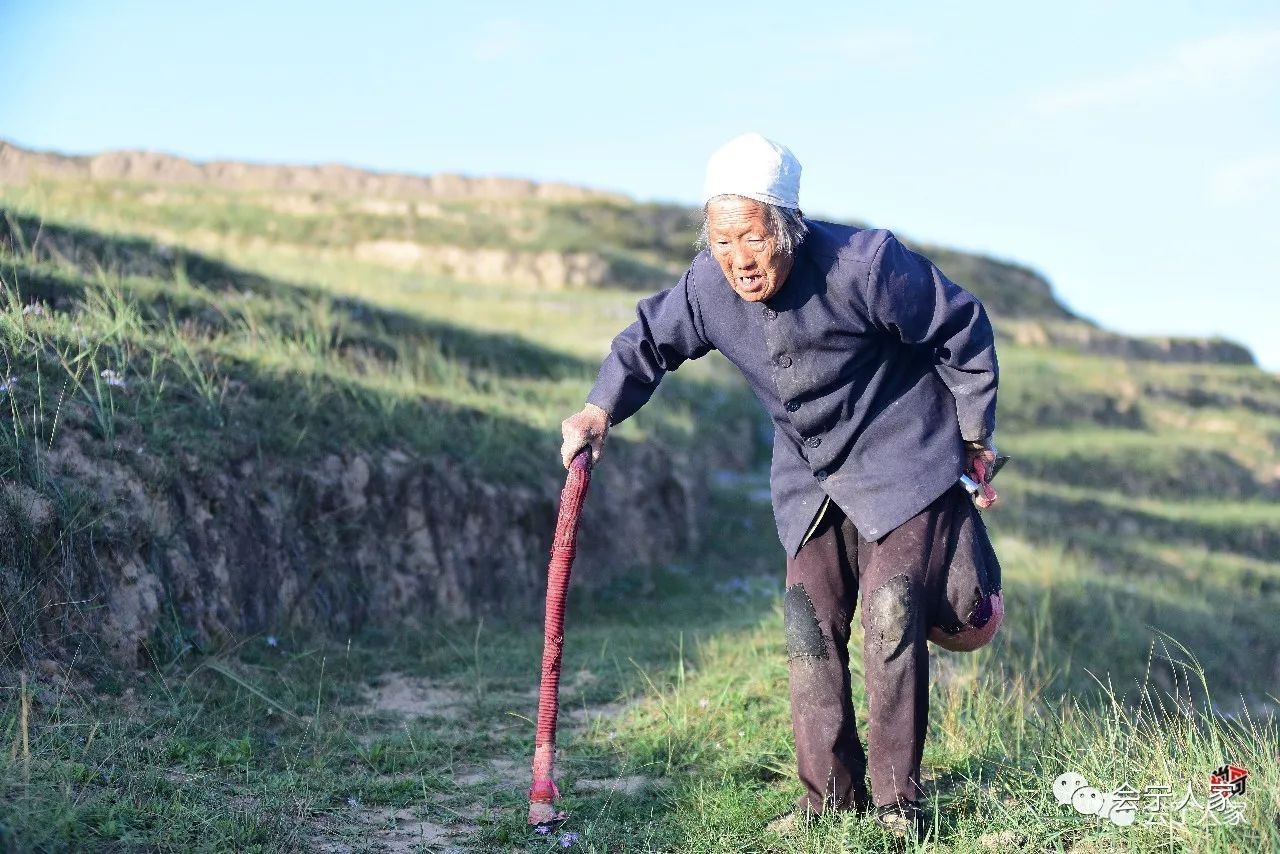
x: 205, y: 348
x: 1139, y: 539
x: 641, y: 246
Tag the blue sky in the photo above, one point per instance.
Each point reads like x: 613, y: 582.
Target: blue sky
x: 1130, y: 152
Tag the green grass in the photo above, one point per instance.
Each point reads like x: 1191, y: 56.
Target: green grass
x: 291, y: 369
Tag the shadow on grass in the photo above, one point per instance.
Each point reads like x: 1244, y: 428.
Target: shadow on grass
x: 198, y: 290
x: 1079, y: 523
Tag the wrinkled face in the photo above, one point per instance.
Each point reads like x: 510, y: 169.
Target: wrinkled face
x: 744, y: 245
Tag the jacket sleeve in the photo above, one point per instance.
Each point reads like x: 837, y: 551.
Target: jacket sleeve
x: 667, y: 331
x: 908, y: 297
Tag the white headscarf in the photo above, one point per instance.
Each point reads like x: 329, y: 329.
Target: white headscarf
x: 755, y: 167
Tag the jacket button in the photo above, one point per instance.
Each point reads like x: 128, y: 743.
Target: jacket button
x: 784, y: 361
x: 813, y: 441
x: 821, y: 474
x: 770, y: 314
x: 792, y: 406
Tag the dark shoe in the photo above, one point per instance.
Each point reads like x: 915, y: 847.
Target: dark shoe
x: 904, y: 819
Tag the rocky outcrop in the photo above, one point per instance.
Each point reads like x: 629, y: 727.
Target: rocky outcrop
x: 19, y: 165
x: 1091, y: 339
x: 138, y: 256
x: 547, y: 270
x: 358, y: 539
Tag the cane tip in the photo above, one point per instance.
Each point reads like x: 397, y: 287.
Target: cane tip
x: 544, y: 818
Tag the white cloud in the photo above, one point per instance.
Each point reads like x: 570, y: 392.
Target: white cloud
x: 1246, y: 180
x: 1203, y: 66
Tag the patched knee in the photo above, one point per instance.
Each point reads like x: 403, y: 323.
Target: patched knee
x: 891, y: 616
x: 800, y: 622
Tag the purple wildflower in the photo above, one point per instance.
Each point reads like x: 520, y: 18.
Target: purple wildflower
x: 112, y: 378
x: 567, y: 839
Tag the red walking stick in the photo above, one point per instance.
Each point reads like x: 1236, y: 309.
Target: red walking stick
x: 543, y: 793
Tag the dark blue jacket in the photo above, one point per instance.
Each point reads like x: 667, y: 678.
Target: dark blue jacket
x: 871, y: 362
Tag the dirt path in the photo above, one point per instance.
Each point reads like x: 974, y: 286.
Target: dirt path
x: 447, y: 818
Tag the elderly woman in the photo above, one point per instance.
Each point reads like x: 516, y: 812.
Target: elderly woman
x: 880, y: 376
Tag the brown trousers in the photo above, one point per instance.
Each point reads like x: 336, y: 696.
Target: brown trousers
x: 927, y: 572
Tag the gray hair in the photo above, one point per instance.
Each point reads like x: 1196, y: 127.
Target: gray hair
x: 786, y: 225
